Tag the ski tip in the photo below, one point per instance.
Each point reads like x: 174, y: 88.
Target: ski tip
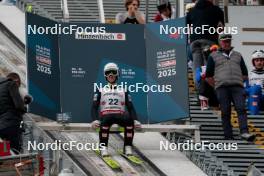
x: 111, y: 162
x: 135, y: 159
x: 132, y: 158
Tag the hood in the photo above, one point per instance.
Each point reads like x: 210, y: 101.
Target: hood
x: 203, y: 4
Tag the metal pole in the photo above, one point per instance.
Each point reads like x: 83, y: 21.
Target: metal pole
x: 147, y: 10
x: 226, y: 10
x: 176, y: 9
x: 101, y: 11
x: 65, y: 10
x: 181, y: 8
x: 57, y: 158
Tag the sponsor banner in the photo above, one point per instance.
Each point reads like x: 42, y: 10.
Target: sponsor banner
x: 98, y: 36
x: 82, y: 65
x: 43, y: 73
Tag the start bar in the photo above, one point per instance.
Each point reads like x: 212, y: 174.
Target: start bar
x: 87, y: 127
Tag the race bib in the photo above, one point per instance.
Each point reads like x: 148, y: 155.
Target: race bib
x: 112, y: 102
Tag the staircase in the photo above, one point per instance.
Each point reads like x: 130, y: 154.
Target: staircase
x: 211, y: 130
x: 229, y: 163
x: 83, y: 11
x: 49, y: 8
x: 87, y: 10
x: 79, y: 10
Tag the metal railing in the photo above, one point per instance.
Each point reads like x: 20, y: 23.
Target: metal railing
x: 204, y: 159
x: 253, y: 171
x: 247, y: 2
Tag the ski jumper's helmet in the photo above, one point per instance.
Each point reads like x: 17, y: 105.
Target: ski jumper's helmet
x: 111, y: 68
x: 256, y: 55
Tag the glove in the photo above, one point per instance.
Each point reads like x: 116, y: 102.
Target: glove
x: 22, y: 126
x: 137, y: 124
x: 246, y: 84
x: 28, y: 99
x: 95, y: 124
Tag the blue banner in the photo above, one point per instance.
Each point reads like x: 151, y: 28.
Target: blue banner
x: 43, y: 72
x: 167, y: 65
x: 83, y: 60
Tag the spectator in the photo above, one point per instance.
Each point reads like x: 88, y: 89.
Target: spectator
x: 133, y: 15
x: 166, y: 11
x: 203, y: 13
x: 256, y: 83
x: 189, y: 6
x: 207, y: 95
x: 11, y: 111
x: 225, y: 71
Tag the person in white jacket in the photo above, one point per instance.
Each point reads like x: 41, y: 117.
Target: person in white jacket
x: 256, y: 83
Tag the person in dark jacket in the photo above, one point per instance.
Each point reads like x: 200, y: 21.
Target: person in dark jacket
x: 12, y: 108
x: 203, y: 13
x: 226, y: 71
x: 166, y: 11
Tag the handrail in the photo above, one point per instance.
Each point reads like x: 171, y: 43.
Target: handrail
x: 65, y: 10
x: 101, y: 11
x: 252, y: 169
